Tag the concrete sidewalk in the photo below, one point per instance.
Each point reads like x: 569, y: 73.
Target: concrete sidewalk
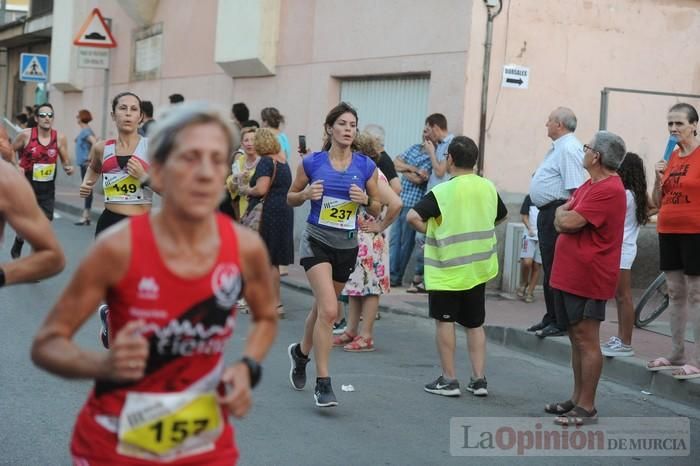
x: 506, y: 321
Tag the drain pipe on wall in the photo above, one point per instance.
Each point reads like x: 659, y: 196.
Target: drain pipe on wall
x: 490, y: 6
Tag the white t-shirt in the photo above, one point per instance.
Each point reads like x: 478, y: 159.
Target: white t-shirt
x: 629, y: 237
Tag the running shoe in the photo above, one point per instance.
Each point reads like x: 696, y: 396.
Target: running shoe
x: 441, y: 386
x: 103, y: 312
x: 297, y: 372
x: 615, y: 348
x: 323, y: 394
x: 477, y: 386
x: 339, y: 327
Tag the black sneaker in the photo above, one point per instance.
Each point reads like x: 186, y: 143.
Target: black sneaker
x: 323, y: 394
x: 442, y: 387
x: 339, y: 327
x: 102, y: 311
x: 477, y: 386
x: 16, y: 250
x: 297, y: 373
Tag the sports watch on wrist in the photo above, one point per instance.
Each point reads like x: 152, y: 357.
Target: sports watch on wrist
x: 254, y: 369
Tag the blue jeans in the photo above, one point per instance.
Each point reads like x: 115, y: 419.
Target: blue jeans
x: 401, y: 241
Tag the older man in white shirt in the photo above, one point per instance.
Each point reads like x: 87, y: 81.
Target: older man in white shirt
x: 559, y: 174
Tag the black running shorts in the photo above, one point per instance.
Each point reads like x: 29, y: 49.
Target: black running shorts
x: 467, y: 308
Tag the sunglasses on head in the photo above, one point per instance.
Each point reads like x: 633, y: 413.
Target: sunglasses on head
x: 45, y: 114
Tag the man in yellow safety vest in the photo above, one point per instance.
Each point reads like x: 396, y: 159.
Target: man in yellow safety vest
x: 458, y: 218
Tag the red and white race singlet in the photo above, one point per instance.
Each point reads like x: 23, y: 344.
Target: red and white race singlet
x: 120, y: 187
x: 39, y: 161
x: 170, y: 415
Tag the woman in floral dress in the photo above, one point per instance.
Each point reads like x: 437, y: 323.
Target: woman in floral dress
x: 371, y: 276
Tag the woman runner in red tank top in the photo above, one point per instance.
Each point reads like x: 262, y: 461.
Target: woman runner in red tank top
x: 171, y: 279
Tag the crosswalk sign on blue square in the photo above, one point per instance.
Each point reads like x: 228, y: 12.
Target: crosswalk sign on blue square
x: 34, y: 67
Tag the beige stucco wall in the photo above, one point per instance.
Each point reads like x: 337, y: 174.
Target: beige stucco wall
x: 573, y: 50
x: 187, y: 65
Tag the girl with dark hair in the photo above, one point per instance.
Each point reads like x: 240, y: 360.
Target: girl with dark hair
x: 337, y: 182
x: 631, y: 173
x: 123, y: 165
x: 677, y: 195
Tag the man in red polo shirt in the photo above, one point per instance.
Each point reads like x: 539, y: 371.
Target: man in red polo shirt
x: 586, y: 267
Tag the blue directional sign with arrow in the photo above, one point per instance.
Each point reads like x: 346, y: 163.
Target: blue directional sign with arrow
x: 34, y: 67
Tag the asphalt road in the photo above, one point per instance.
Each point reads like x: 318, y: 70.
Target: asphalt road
x: 387, y: 420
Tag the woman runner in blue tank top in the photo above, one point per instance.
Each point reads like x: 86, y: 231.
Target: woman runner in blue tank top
x: 336, y: 181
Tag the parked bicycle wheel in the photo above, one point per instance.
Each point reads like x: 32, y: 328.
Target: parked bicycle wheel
x: 653, y: 303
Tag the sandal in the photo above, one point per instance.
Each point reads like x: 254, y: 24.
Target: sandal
x: 280, y: 311
x: 578, y: 416
x: 529, y: 298
x: 661, y: 364
x: 686, y: 372
x: 520, y: 293
x: 343, y: 339
x: 560, y: 408
x: 360, y: 345
x: 416, y: 287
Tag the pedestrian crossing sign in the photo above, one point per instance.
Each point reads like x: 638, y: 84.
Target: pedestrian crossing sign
x: 34, y: 67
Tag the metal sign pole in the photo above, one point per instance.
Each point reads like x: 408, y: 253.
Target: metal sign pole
x: 105, y: 99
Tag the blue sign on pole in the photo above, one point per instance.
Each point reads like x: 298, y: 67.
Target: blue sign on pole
x: 34, y: 67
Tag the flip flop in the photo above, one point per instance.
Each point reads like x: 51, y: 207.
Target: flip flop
x: 577, y: 417
x: 686, y: 372
x: 560, y: 408
x: 661, y: 364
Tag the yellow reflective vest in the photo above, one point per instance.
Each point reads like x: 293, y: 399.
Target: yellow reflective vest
x: 460, y: 245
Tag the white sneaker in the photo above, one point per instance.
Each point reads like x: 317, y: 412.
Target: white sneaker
x: 615, y: 348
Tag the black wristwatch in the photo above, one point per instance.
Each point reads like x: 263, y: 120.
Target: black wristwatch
x: 254, y: 369
x: 2, y: 277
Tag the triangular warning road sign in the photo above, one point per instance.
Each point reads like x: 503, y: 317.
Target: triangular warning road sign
x: 34, y: 69
x: 95, y: 33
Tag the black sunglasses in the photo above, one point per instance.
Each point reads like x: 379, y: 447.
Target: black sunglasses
x: 45, y: 114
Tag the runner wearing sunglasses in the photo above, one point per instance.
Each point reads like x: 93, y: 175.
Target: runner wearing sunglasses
x: 38, y: 150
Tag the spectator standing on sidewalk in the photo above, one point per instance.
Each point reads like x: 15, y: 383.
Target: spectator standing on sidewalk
x: 273, y: 119
x: 270, y: 183
x: 39, y: 149
x: 382, y: 159
x: 147, y: 109
x: 558, y: 175
x: 415, y: 167
x: 242, y: 170
x: 83, y: 143
x: 530, y: 258
x: 460, y: 257
x: 634, y: 180
x: 586, y: 268
x: 437, y: 141
x: 370, y: 279
x: 677, y: 194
